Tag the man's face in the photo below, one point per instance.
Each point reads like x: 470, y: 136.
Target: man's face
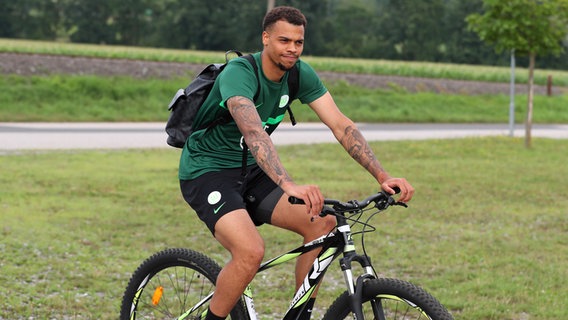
x: 283, y: 43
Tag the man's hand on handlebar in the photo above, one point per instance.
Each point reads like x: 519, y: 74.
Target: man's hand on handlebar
x: 399, y: 185
x: 311, y: 196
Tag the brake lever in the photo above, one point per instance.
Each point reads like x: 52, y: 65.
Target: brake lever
x: 384, y: 204
x: 324, y: 212
x: 327, y: 210
x: 402, y: 204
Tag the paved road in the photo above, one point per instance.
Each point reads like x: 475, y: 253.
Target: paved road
x: 49, y: 136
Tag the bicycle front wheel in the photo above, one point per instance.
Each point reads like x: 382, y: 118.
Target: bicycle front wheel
x: 385, y: 299
x: 169, y: 284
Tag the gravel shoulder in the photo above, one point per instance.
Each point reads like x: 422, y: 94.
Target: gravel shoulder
x: 34, y: 64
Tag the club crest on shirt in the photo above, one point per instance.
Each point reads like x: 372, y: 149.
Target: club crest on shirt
x: 284, y: 101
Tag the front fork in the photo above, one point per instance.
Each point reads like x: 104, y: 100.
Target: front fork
x: 354, y: 288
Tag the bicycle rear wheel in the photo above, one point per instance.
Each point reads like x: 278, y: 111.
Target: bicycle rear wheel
x: 385, y: 299
x: 170, y: 283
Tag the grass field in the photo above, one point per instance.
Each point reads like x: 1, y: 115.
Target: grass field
x: 384, y: 67
x: 486, y: 232
x: 90, y: 98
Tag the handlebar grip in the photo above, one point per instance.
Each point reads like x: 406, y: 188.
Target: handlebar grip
x: 294, y: 200
x: 396, y: 191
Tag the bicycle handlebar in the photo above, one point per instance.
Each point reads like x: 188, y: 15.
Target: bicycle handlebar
x: 381, y: 199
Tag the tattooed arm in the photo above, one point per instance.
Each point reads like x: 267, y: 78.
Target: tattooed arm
x: 261, y: 147
x: 347, y: 133
x: 358, y: 148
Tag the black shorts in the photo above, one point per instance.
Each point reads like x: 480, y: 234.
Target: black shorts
x: 215, y: 194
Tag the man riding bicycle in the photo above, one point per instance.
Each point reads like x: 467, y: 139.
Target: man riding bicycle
x: 231, y: 203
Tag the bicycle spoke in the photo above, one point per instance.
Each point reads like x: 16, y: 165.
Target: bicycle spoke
x: 389, y: 308
x: 180, y: 287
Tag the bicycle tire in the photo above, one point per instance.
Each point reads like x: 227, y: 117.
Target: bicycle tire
x: 165, y: 285
x: 396, y: 298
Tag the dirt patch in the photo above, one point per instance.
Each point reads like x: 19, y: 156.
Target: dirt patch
x: 33, y: 64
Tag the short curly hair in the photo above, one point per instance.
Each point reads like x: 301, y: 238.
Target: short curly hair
x: 289, y: 14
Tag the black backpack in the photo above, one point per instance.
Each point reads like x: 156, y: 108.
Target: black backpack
x: 186, y: 102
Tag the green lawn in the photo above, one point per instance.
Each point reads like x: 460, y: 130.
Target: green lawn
x: 486, y: 232
x: 366, y: 66
x: 90, y: 98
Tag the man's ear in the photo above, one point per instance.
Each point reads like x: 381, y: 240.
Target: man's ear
x: 265, y: 37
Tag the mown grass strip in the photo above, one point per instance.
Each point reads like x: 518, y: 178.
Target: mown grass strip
x: 365, y: 66
x: 90, y: 98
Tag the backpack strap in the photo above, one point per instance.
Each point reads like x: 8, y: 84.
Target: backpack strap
x: 293, y: 87
x: 250, y: 59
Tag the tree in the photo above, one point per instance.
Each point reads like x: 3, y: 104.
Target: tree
x: 412, y: 30
x: 90, y: 21
x: 352, y: 30
x: 28, y: 19
x: 530, y: 27
x: 462, y: 45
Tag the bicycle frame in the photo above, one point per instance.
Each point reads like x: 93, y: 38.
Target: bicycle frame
x: 332, y: 245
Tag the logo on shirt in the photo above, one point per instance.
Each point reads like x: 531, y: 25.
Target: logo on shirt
x: 284, y: 101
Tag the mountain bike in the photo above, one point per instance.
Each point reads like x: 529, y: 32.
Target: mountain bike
x: 179, y: 283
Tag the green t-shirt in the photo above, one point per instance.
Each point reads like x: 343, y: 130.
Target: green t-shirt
x: 220, y: 147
